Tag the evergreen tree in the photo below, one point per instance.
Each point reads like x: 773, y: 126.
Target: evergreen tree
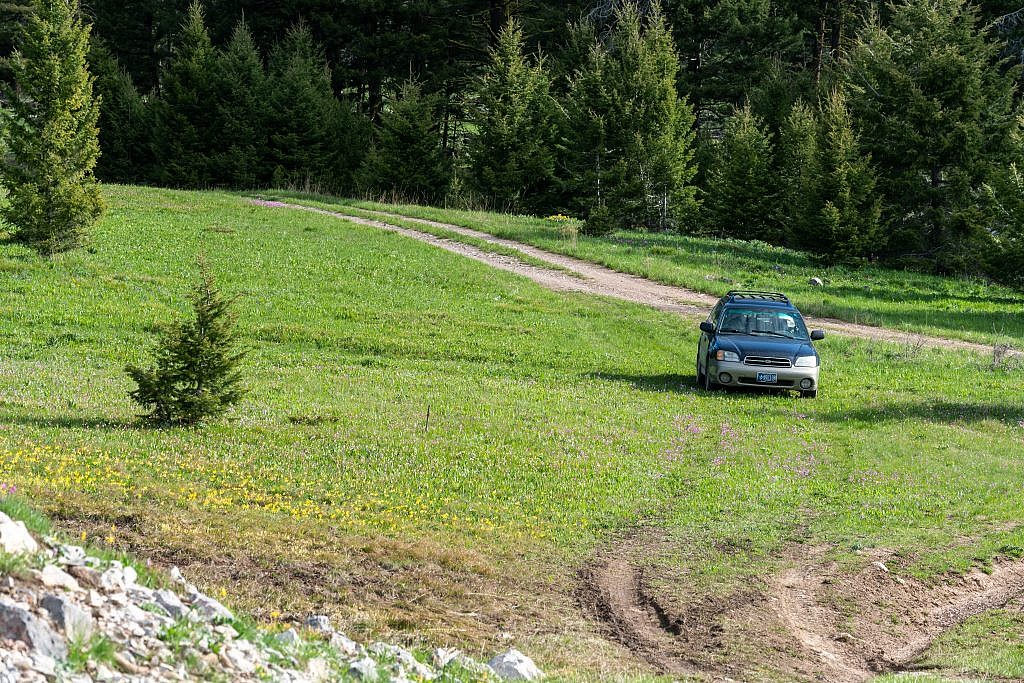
x: 742, y: 199
x: 13, y: 15
x: 406, y: 159
x: 315, y: 139
x: 851, y: 209
x: 730, y: 47
x: 52, y: 139
x: 799, y: 172
x: 141, y: 34
x: 242, y: 141
x: 935, y: 112
x: 124, y: 121
x: 512, y: 158
x: 195, y: 371
x: 629, y: 142
x: 1005, y: 200
x: 186, y: 119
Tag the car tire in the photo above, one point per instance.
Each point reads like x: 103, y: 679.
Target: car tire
x: 706, y: 384
x: 813, y: 393
x: 700, y: 375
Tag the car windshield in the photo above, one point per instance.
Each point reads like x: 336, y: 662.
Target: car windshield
x: 761, y: 321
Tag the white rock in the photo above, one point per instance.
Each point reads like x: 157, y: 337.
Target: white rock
x: 515, y: 666
x: 318, y: 669
x: 880, y: 566
x: 171, y: 603
x: 17, y: 623
x: 112, y: 580
x: 319, y: 623
x: 444, y: 655
x: 345, y: 645
x: 130, y: 575
x: 240, y: 658
x: 53, y: 576
x: 103, y: 673
x: 365, y: 669
x: 76, y: 622
x: 44, y: 664
x: 72, y: 555
x: 417, y: 668
x: 226, y: 630
x: 289, y: 637
x: 177, y: 577
x: 15, y: 538
x: 120, y: 599
x: 208, y: 608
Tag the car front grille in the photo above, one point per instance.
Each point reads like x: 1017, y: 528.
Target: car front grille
x: 768, y: 362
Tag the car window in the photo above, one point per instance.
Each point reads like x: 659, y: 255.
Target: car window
x: 762, y: 321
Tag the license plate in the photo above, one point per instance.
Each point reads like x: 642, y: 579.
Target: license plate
x: 768, y: 377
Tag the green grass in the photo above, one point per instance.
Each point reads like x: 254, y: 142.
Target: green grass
x: 966, y: 309
x: 434, y: 230
x: 96, y: 649
x: 991, y: 645
x: 556, y: 420
x: 16, y: 507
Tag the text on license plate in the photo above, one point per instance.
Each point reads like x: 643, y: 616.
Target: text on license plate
x: 768, y: 377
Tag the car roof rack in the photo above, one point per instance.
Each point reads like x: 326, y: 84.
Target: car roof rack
x: 755, y: 294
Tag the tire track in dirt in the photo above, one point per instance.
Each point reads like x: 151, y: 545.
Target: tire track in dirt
x: 611, y: 591
x: 896, y: 619
x: 596, y: 279
x: 809, y: 622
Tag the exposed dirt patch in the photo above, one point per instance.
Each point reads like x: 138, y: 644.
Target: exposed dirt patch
x: 595, y: 279
x: 809, y: 622
x: 690, y: 639
x: 876, y: 621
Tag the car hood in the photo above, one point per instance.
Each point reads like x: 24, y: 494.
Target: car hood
x: 753, y: 345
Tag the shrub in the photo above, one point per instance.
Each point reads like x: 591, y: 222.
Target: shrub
x: 195, y: 372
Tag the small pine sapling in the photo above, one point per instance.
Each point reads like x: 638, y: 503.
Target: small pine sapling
x: 195, y: 372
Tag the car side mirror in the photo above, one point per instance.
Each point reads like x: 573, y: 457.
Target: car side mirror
x: 707, y: 327
x: 817, y: 335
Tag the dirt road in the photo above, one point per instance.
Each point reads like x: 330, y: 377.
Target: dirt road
x: 584, y: 276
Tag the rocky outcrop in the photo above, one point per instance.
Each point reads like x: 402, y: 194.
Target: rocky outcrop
x: 70, y: 616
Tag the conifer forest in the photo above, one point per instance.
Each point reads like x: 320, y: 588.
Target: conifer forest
x: 858, y: 131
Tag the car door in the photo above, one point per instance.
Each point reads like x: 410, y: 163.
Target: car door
x: 705, y: 338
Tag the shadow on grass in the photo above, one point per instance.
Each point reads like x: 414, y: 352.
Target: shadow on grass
x: 943, y: 412
x: 73, y: 423
x: 684, y: 384
x: 668, y: 382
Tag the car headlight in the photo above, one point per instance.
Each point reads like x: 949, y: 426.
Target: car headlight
x: 806, y: 362
x: 727, y: 355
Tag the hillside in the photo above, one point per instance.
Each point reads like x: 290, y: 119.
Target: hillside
x: 442, y: 453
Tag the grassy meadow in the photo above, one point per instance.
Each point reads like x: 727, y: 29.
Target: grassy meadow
x: 430, y: 449
x: 957, y: 308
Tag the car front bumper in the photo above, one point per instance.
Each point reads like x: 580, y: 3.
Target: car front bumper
x: 743, y: 375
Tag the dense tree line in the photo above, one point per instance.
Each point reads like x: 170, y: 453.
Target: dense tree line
x: 853, y: 129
